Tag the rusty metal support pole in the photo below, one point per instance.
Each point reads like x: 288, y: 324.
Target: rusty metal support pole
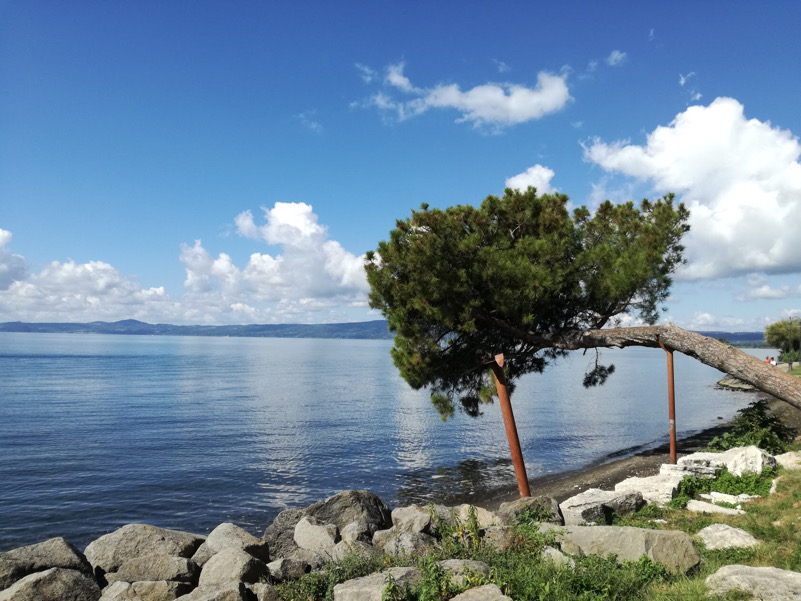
x: 671, y: 403
x: 511, y: 428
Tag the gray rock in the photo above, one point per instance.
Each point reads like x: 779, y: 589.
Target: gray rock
x: 596, y: 505
x: 687, y: 470
x: 460, y: 569
x: 704, y: 507
x: 340, y: 509
x: 556, y: 556
x: 313, y: 559
x: 356, y: 531
x: 52, y: 553
x: 729, y: 381
x: 288, y: 569
x: 134, y: 540
x: 659, y: 489
x: 232, y: 565
x: 55, y: 584
x: 202, y: 555
x: 721, y: 536
x: 738, y: 460
x: 672, y: 548
x: 229, y: 591
x: 145, y: 591
x: 411, y: 519
x: 408, y: 543
x: 764, y: 584
x: 371, y: 587
x: 264, y: 592
x: 158, y: 567
x: 485, y: 518
x: 790, y: 460
x: 228, y: 535
x: 344, y: 549
x: 382, y: 537
x: 720, y: 497
x: 545, y: 508
x: 488, y: 592
x: 498, y: 537
x: 313, y: 535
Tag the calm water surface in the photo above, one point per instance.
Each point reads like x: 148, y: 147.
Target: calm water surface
x: 188, y: 432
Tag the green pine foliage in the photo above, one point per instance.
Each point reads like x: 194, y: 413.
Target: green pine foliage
x: 460, y: 285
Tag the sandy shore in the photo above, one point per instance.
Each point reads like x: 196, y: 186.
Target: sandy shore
x: 607, y: 472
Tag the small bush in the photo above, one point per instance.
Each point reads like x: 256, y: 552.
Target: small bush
x: 749, y: 483
x: 755, y: 425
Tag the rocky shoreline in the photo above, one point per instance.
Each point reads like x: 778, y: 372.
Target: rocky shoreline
x: 146, y: 563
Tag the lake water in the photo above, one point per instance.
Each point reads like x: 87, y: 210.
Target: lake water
x: 188, y: 432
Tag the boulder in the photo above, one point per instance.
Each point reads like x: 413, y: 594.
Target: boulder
x: 672, y: 548
x: 145, y: 591
x: 721, y: 536
x: 407, y: 543
x: 764, y: 584
x: 229, y: 591
x: 659, y: 489
x: 687, y: 470
x: 343, y: 549
x: 52, y: 553
x: 597, y: 506
x: 313, y: 535
x: 109, y: 551
x: 371, y: 587
x: 340, y: 509
x: 543, y: 509
x: 704, y: 507
x: 790, y: 460
x: 411, y: 519
x: 158, y: 567
x: 738, y: 460
x: 721, y: 497
x: 232, y: 565
x: 264, y: 592
x: 460, y: 569
x: 288, y: 569
x: 356, y: 531
x: 498, y: 537
x: 228, y: 535
x: 55, y: 584
x: 556, y: 556
x: 485, y: 518
x: 488, y: 592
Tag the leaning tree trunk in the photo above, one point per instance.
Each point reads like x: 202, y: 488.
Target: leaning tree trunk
x: 719, y: 355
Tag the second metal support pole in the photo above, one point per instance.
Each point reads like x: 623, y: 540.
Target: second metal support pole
x: 671, y: 403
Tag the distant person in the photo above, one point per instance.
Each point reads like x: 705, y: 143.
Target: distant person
x: 773, y: 361
x: 767, y: 359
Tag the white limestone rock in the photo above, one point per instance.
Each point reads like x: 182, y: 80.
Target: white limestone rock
x: 704, y: 507
x: 488, y: 592
x: 722, y: 536
x: 659, y: 489
x: 313, y: 535
x: 594, y: 505
x: 763, y: 584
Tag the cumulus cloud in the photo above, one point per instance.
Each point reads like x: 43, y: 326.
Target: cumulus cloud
x: 12, y: 267
x: 538, y: 176
x: 740, y: 178
x: 494, y: 104
x: 615, y: 58
x: 309, y: 266
x: 312, y: 279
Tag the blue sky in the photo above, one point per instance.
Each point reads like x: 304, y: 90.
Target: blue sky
x: 230, y: 162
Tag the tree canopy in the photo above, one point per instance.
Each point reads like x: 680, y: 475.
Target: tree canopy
x: 460, y: 285
x: 783, y: 334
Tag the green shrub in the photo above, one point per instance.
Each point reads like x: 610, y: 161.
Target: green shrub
x: 749, y: 483
x: 755, y: 425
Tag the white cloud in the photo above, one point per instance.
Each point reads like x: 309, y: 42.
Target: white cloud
x: 367, y: 74
x: 309, y: 121
x: 312, y: 279
x: 615, y: 58
x: 740, y: 178
x: 683, y: 78
x: 767, y: 292
x: 537, y: 176
x: 502, y: 66
x: 12, y: 267
x: 490, y: 104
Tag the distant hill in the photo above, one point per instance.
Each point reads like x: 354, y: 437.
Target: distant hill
x: 739, y: 338
x: 365, y: 329
x: 362, y: 329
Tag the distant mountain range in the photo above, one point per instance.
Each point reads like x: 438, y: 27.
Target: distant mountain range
x: 363, y: 329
